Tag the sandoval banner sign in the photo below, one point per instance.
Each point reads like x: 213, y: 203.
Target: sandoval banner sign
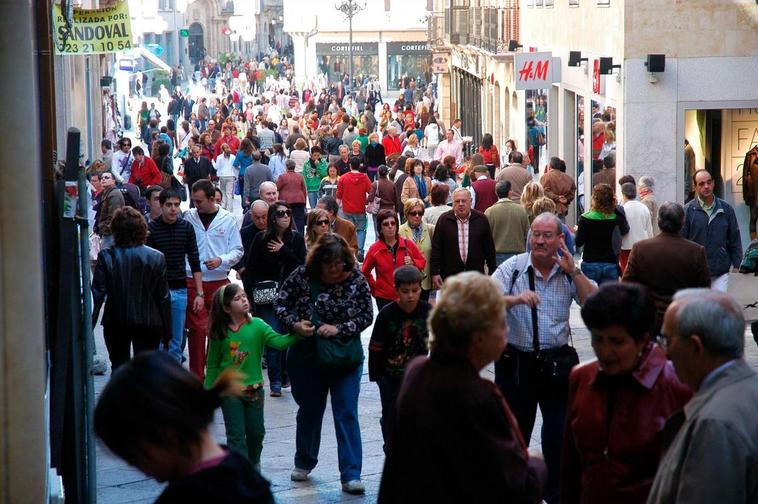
x: 97, y: 31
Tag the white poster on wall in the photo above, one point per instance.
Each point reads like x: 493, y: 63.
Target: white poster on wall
x: 744, y: 137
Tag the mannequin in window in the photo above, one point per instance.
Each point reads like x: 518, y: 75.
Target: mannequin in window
x: 750, y: 186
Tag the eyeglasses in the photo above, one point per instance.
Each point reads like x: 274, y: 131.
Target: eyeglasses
x: 663, y: 340
x: 284, y: 213
x: 418, y: 213
x: 105, y: 177
x: 322, y: 222
x: 388, y: 223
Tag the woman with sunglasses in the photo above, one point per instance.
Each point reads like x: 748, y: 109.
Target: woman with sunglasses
x: 121, y: 165
x: 317, y: 225
x: 389, y: 252
x: 420, y: 233
x: 274, y: 254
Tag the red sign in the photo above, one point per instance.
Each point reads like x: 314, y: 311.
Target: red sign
x: 596, y: 76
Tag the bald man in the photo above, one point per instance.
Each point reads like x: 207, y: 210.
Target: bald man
x: 258, y: 220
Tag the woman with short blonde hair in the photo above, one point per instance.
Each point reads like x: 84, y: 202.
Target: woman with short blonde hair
x: 532, y: 191
x: 444, y: 393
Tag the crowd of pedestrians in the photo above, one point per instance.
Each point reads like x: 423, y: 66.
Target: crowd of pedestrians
x: 473, y: 264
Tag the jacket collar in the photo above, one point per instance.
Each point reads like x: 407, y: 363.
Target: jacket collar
x: 738, y: 371
x: 648, y: 370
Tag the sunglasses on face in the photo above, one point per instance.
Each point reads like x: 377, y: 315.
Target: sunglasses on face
x: 283, y: 213
x: 389, y: 223
x: 322, y: 222
x: 417, y: 213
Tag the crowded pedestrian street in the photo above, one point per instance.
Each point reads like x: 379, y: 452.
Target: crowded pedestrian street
x: 430, y: 251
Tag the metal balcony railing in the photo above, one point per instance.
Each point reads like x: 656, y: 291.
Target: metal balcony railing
x: 486, y: 28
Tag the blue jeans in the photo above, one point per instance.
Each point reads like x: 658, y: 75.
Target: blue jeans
x: 601, y: 272
x: 313, y: 198
x: 501, y: 257
x: 310, y: 386
x: 178, y: 312
x: 388, y: 390
x: 361, y: 222
x: 275, y: 359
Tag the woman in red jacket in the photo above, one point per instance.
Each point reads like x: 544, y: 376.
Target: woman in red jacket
x: 389, y: 252
x: 144, y: 170
x: 489, y: 152
x: 618, y: 404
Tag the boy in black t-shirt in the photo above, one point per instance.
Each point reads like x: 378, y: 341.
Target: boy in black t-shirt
x: 400, y: 334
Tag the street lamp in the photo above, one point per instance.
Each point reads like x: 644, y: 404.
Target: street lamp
x: 350, y: 8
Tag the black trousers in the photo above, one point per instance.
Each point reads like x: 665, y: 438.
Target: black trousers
x: 528, y: 382
x: 120, y: 339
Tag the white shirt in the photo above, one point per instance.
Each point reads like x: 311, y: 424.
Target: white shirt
x: 640, y: 224
x: 432, y: 135
x: 121, y: 165
x: 221, y: 239
x: 225, y: 166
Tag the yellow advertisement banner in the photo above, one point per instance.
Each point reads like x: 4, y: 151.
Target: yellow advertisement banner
x: 97, y: 31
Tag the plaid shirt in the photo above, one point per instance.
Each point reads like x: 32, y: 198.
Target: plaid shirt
x: 463, y: 226
x: 556, y: 294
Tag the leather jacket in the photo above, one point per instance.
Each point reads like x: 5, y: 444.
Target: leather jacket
x: 132, y: 282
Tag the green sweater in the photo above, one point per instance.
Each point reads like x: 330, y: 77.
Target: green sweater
x: 313, y: 175
x: 243, y: 349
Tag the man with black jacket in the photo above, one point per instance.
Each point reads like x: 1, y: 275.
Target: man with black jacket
x: 175, y: 237
x: 462, y: 241
x: 196, y: 167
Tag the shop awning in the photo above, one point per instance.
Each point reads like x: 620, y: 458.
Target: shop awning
x: 155, y: 60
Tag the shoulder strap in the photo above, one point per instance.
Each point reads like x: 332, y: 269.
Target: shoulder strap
x: 520, y: 266
x: 535, y: 327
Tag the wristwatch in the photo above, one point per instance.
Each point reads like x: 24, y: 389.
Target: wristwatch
x: 574, y: 273
x: 202, y: 294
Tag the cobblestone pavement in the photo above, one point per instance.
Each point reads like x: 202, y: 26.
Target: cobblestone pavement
x: 119, y: 483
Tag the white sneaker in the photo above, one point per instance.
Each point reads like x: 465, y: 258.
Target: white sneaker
x: 354, y: 487
x: 298, y: 474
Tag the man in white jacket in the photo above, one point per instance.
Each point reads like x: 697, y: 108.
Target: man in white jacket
x: 220, y: 247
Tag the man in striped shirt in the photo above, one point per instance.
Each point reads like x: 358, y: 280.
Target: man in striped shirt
x: 175, y: 237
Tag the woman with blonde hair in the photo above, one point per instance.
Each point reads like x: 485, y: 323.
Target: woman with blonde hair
x: 412, y: 148
x: 544, y: 204
x: 444, y: 393
x: 532, y: 191
x: 420, y: 233
x: 374, y: 155
x: 317, y: 225
x: 300, y: 154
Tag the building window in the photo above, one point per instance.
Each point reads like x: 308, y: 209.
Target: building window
x: 573, y: 3
x: 604, y: 3
x: 549, y: 3
x: 530, y: 3
x: 539, y: 3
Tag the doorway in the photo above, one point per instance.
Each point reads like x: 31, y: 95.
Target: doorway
x: 196, y: 43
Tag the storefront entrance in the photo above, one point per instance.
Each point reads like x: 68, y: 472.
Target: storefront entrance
x: 334, y: 60
x: 408, y: 61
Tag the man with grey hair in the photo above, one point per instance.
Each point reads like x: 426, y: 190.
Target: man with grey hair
x: 668, y: 262
x: 646, y: 190
x: 638, y: 217
x: 713, y: 445
x: 539, y: 287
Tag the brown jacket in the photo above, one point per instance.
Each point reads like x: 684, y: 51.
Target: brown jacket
x: 665, y: 264
x: 346, y: 229
x: 556, y: 184
x: 111, y: 200
x: 517, y: 176
x: 385, y: 189
x: 410, y: 190
x: 453, y: 431
x: 605, y: 176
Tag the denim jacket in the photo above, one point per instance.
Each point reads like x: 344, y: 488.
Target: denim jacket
x: 719, y: 234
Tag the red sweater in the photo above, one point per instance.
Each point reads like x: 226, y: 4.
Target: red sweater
x: 380, y: 258
x: 148, y: 173
x: 352, y: 189
x: 391, y: 145
x: 291, y: 187
x: 232, y: 141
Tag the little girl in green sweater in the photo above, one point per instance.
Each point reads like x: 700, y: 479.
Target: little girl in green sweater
x: 237, y: 341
